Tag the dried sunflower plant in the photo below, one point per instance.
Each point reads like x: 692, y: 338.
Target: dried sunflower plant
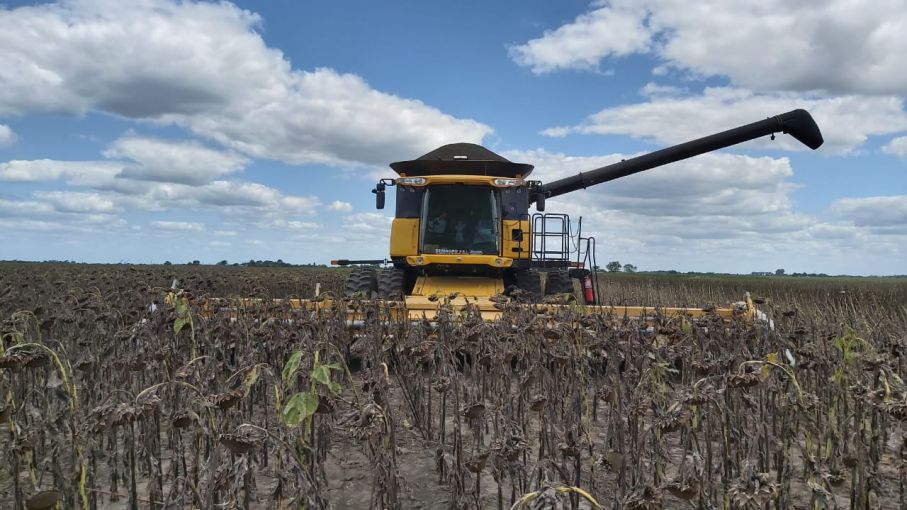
x: 116, y: 392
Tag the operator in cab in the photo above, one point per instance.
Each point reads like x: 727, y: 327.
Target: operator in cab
x: 439, y: 224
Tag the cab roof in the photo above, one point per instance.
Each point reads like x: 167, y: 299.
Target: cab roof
x: 461, y: 159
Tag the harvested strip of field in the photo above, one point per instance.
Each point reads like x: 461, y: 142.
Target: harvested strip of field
x: 108, y: 402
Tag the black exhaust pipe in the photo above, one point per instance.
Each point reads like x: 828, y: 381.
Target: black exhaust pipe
x: 797, y: 123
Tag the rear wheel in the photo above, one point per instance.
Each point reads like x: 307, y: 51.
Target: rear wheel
x: 391, y: 284
x: 528, y: 286
x: 362, y: 282
x: 560, y: 284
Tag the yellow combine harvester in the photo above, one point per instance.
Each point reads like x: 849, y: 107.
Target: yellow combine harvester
x: 463, y: 233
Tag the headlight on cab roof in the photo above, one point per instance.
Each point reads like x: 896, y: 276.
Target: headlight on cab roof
x: 508, y: 182
x: 410, y: 181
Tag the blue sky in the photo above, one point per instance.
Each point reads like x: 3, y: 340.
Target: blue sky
x: 157, y: 130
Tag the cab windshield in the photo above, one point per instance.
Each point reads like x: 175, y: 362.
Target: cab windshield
x: 460, y: 219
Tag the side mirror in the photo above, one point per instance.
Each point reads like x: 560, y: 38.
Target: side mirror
x: 540, y: 202
x: 379, y: 195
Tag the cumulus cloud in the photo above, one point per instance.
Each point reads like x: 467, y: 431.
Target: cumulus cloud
x: 605, y: 32
x: 897, y: 147
x: 368, y: 227
x: 242, y: 203
x: 182, y: 162
x: 49, y: 204
x: 846, y: 121
x: 157, y: 175
x: 77, y: 202
x: 77, y: 173
x: 17, y: 208
x: 710, y: 184
x: 339, y: 206
x: 7, y: 136
x: 229, y: 197
x: 715, y: 212
x: 178, y: 226
x: 59, y: 212
x: 838, y: 46
x: 301, y: 225
x: 205, y: 67
x: 884, y: 212
x: 90, y: 224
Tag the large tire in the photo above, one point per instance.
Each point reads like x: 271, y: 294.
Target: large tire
x: 392, y: 284
x: 529, y: 284
x: 362, y: 282
x: 560, y: 284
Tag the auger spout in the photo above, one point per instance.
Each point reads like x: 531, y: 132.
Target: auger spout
x: 796, y: 123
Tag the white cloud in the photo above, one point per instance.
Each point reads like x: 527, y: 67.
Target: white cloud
x: 205, y: 67
x: 605, y: 32
x: 185, y: 162
x: 254, y: 200
x: 112, y: 192
x: 20, y: 208
x: 711, y: 184
x: 714, y: 196
x: 178, y: 226
x: 76, y: 202
x: 368, y: 227
x: 337, y: 205
x: 7, y: 136
x: 846, y: 122
x: 838, y: 46
x: 226, y: 233
x: 897, y: 147
x: 653, y: 89
x: 715, y: 212
x: 78, y: 173
x: 885, y: 213
x: 301, y: 225
x: 90, y: 225
x: 62, y: 206
x: 60, y: 212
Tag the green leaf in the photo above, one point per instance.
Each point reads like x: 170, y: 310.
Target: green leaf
x: 685, y: 325
x: 180, y: 323
x: 839, y: 376
x: 333, y: 366
x: 299, y: 407
x: 322, y: 374
x: 289, y: 370
x: 334, y: 387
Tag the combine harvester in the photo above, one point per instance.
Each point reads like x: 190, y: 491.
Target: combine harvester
x: 463, y: 235
x: 462, y: 232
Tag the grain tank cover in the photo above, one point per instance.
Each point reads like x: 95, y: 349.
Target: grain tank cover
x: 462, y: 159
